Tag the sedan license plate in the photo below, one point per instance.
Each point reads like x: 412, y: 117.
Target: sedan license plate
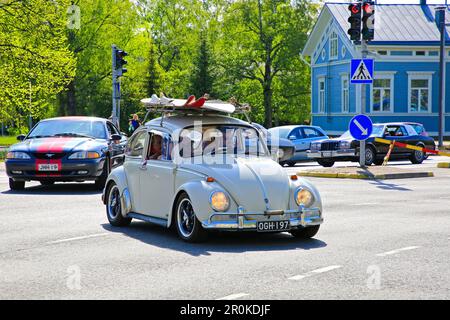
x: 48, y: 167
x: 326, y: 154
x: 268, y: 226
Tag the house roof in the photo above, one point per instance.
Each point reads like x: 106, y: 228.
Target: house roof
x: 395, y: 24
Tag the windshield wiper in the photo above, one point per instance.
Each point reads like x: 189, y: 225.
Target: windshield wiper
x: 72, y: 134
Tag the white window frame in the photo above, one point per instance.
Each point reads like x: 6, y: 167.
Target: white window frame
x: 344, y: 90
x: 421, y: 76
x: 383, y: 76
x: 319, y: 99
x: 334, y: 39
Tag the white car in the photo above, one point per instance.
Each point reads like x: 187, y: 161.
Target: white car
x: 196, y: 170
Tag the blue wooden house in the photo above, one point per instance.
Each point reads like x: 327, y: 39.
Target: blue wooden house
x: 406, y: 77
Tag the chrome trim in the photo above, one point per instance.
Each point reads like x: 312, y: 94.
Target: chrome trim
x: 305, y: 217
x: 333, y: 153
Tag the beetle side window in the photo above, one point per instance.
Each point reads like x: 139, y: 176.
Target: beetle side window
x: 159, y: 147
x: 136, y: 144
x: 111, y: 129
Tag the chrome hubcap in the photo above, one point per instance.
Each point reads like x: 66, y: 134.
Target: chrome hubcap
x: 369, y: 156
x: 114, y: 205
x: 186, y: 218
x: 419, y: 155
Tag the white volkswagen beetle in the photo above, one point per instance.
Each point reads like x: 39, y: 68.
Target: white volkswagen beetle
x: 201, y: 169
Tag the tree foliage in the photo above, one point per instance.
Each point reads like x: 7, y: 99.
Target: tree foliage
x: 35, y: 62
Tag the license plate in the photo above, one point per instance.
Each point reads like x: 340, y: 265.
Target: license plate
x: 48, y: 167
x: 267, y: 226
x: 326, y: 154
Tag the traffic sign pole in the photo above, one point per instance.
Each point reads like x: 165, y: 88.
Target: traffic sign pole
x: 362, y: 143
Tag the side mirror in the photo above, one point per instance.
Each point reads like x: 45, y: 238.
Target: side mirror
x: 292, y: 138
x: 21, y: 137
x: 116, y: 137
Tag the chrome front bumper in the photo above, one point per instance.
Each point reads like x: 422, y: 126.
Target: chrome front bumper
x: 303, y: 217
x: 331, y: 153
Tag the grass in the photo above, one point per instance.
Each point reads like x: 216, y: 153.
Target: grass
x: 6, y: 141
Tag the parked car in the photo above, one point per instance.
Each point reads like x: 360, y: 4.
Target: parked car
x: 345, y: 148
x: 205, y: 178
x: 282, y: 148
x: 65, y: 149
x: 301, y: 136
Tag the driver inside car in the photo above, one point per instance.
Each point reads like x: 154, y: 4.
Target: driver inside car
x: 155, y: 148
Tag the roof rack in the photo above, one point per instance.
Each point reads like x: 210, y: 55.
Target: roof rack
x: 166, y: 105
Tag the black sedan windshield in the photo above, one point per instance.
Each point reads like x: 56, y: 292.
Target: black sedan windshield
x: 70, y: 128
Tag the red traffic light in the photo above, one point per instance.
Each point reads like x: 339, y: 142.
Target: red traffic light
x: 355, y: 8
x: 368, y: 8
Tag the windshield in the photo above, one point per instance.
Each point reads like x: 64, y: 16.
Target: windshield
x: 377, y: 131
x: 220, y: 139
x: 71, y: 128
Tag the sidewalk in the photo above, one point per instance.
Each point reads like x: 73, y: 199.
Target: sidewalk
x: 373, y: 173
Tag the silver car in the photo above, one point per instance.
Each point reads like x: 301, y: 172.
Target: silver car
x: 301, y: 136
x: 194, y: 171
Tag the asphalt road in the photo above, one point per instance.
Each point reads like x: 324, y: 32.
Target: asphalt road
x: 380, y: 240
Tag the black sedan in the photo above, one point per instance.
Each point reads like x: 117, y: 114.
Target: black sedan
x: 345, y: 148
x: 65, y: 149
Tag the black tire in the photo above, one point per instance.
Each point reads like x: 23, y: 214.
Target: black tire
x: 188, y: 227
x: 305, y: 233
x: 114, y: 207
x: 16, y: 185
x: 378, y: 161
x: 417, y: 157
x: 101, y: 181
x: 370, y: 156
x: 291, y: 163
x: 327, y: 163
x: 47, y: 182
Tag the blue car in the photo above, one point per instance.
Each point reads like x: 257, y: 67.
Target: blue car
x: 301, y: 136
x: 65, y: 149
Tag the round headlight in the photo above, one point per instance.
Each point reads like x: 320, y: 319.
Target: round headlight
x: 304, y: 197
x: 219, y: 201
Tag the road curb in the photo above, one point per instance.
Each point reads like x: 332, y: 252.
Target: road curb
x: 443, y: 165
x: 367, y: 176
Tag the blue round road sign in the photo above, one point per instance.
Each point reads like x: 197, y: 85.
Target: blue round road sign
x: 360, y: 127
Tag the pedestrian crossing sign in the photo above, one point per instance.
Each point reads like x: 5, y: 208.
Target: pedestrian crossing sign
x: 361, y: 71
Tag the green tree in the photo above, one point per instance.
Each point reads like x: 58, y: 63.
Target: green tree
x: 202, y: 81
x: 262, y: 42
x: 34, y: 59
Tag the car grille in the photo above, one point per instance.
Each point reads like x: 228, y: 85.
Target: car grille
x: 329, y: 145
x: 49, y: 155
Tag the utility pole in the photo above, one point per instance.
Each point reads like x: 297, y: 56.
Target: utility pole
x: 442, y: 66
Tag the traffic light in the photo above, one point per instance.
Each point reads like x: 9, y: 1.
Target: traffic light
x: 355, y: 21
x: 119, y: 62
x: 368, y: 30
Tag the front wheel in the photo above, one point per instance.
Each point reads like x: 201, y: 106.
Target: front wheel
x: 305, y: 233
x: 325, y: 162
x: 417, y: 157
x: 188, y: 227
x: 16, y: 185
x: 114, y: 208
x: 47, y: 182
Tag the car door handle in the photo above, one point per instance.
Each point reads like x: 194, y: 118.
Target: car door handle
x: 143, y: 165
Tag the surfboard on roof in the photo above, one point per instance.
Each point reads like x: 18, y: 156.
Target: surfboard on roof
x: 180, y: 105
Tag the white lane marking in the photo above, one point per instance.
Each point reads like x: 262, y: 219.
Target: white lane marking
x: 388, y: 253
x: 79, y: 238
x: 234, y: 296
x: 317, y: 271
x: 365, y: 204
